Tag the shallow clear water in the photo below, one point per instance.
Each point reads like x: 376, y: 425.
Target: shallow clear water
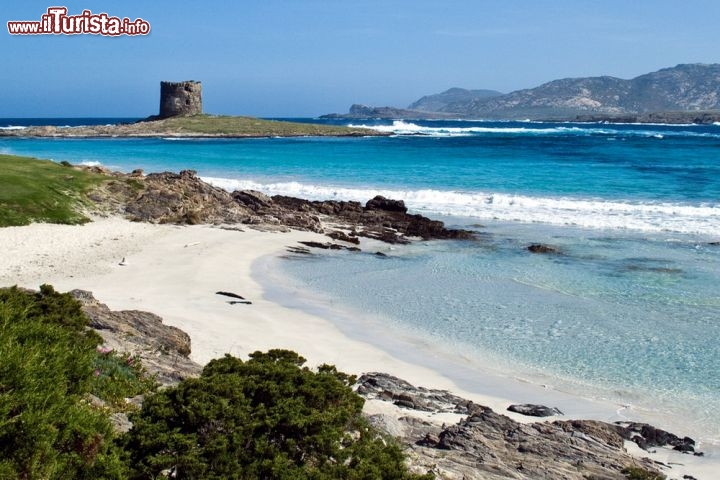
x: 630, y: 319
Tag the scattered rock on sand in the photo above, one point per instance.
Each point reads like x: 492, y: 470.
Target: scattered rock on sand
x: 646, y: 436
x: 534, y: 410
x: 343, y: 237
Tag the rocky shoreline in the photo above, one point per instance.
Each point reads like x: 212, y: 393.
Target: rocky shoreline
x: 440, y: 432
x: 481, y: 444
x: 185, y: 199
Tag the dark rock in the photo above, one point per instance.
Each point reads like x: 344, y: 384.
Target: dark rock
x: 381, y: 203
x: 252, y: 199
x: 138, y: 172
x: 380, y: 254
x: 343, y: 237
x: 389, y: 388
x: 329, y: 246
x: 534, y: 410
x: 385, y: 220
x: 646, y: 436
x: 230, y: 294
x: 541, y: 248
x: 324, y: 246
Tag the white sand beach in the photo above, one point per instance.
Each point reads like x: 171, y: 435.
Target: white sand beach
x: 175, y: 272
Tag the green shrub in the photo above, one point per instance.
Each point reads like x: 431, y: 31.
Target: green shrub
x: 268, y: 417
x: 119, y: 376
x: 47, y: 429
x: 637, y: 473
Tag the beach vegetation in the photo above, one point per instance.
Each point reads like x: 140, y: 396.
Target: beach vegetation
x: 267, y: 417
x: 33, y: 190
x: 48, y: 427
x: 638, y: 473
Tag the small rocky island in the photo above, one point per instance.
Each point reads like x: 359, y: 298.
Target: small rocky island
x: 181, y: 115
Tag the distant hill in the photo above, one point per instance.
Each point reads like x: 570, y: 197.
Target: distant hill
x: 683, y: 88
x: 451, y: 100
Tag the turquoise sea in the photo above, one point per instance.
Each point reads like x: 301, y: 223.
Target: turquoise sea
x: 629, y: 311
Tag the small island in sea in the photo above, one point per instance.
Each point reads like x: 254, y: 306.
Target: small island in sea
x: 181, y: 115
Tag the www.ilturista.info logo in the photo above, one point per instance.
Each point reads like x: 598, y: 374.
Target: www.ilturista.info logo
x: 57, y: 22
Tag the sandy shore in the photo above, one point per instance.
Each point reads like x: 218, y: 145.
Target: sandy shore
x: 175, y: 271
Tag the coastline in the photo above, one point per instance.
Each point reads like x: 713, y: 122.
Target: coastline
x: 175, y: 271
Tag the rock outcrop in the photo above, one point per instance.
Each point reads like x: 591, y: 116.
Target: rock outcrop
x: 164, y: 350
x: 380, y: 219
x: 168, y: 198
x: 185, y: 199
x: 486, y: 445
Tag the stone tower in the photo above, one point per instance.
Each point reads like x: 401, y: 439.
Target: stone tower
x: 180, y: 98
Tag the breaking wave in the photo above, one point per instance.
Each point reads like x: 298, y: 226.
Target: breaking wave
x: 403, y: 128
x: 701, y: 219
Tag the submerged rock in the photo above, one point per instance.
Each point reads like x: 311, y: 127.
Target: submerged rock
x: 542, y: 248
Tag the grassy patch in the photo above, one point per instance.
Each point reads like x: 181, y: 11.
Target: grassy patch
x: 251, y: 127
x: 34, y: 190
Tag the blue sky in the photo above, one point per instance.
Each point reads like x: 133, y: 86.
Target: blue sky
x: 309, y: 57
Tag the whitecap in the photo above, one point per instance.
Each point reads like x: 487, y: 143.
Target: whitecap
x: 594, y: 213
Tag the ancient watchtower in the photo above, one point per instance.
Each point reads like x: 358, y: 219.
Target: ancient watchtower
x: 180, y: 98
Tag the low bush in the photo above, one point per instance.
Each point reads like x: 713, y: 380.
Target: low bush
x: 268, y: 417
x: 47, y: 427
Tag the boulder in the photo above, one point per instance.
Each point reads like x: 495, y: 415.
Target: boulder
x: 388, y: 205
x: 252, y: 199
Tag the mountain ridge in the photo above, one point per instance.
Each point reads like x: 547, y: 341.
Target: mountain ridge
x: 683, y: 88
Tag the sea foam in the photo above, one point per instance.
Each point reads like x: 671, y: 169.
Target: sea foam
x: 700, y: 219
x: 403, y: 128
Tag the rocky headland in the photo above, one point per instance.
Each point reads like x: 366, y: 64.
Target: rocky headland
x: 183, y: 198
